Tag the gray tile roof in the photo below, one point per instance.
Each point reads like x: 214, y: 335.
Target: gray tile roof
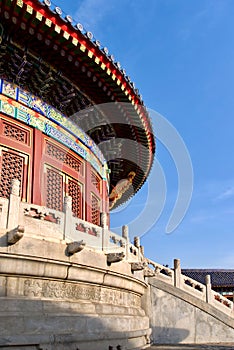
x: 219, y: 278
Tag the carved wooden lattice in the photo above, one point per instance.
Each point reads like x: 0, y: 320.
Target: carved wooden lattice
x: 96, y: 180
x: 95, y: 211
x: 15, y: 132
x: 12, y: 168
x: 54, y: 190
x: 64, y: 157
x: 74, y: 190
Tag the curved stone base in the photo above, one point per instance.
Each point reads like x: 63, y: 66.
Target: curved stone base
x: 46, y: 325
x: 51, y: 301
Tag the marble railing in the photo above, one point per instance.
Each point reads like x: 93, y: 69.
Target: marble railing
x: 20, y: 218
x: 40, y: 221
x: 201, y: 291
x: 4, y: 203
x: 119, y: 243
x: 161, y: 272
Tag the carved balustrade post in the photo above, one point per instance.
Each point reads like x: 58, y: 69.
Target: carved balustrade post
x: 208, y: 289
x: 137, y: 244
x: 105, y: 232
x: 125, y: 235
x: 104, y: 220
x: 68, y: 217
x: 14, y: 205
x: 125, y: 232
x: 177, y: 273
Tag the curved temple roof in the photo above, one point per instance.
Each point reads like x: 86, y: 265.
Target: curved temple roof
x: 46, y: 54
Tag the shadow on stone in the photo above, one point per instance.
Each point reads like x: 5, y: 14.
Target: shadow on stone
x: 47, y: 325
x: 219, y: 346
x: 169, y: 335
x: 3, y: 240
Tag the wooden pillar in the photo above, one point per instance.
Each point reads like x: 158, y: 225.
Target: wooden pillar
x: 37, y: 168
x: 88, y: 204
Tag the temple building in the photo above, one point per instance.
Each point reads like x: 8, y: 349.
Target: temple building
x: 62, y: 95
x: 76, y: 141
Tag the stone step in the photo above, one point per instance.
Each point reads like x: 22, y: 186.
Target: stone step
x: 217, y: 346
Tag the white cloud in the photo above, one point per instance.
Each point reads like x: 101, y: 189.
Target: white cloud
x: 200, y: 218
x: 228, y: 193
x: 91, y: 12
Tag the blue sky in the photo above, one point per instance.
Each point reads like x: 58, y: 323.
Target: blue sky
x: 180, y: 54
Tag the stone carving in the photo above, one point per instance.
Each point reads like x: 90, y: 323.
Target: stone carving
x: 87, y: 228
x: 75, y: 247
x: 93, y: 231
x: 41, y: 215
x: 59, y: 290
x: 157, y: 270
x: 80, y: 227
x: 137, y: 266
x: 148, y: 272
x: 137, y: 242
x: 133, y: 250
x: 64, y: 290
x: 117, y: 240
x: 15, y: 235
x: 33, y: 288
x: 115, y: 257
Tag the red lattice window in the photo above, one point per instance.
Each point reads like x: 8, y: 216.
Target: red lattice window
x: 64, y: 157
x: 12, y: 167
x: 74, y: 190
x: 54, y: 190
x: 15, y: 132
x: 95, y: 211
x: 96, y: 181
